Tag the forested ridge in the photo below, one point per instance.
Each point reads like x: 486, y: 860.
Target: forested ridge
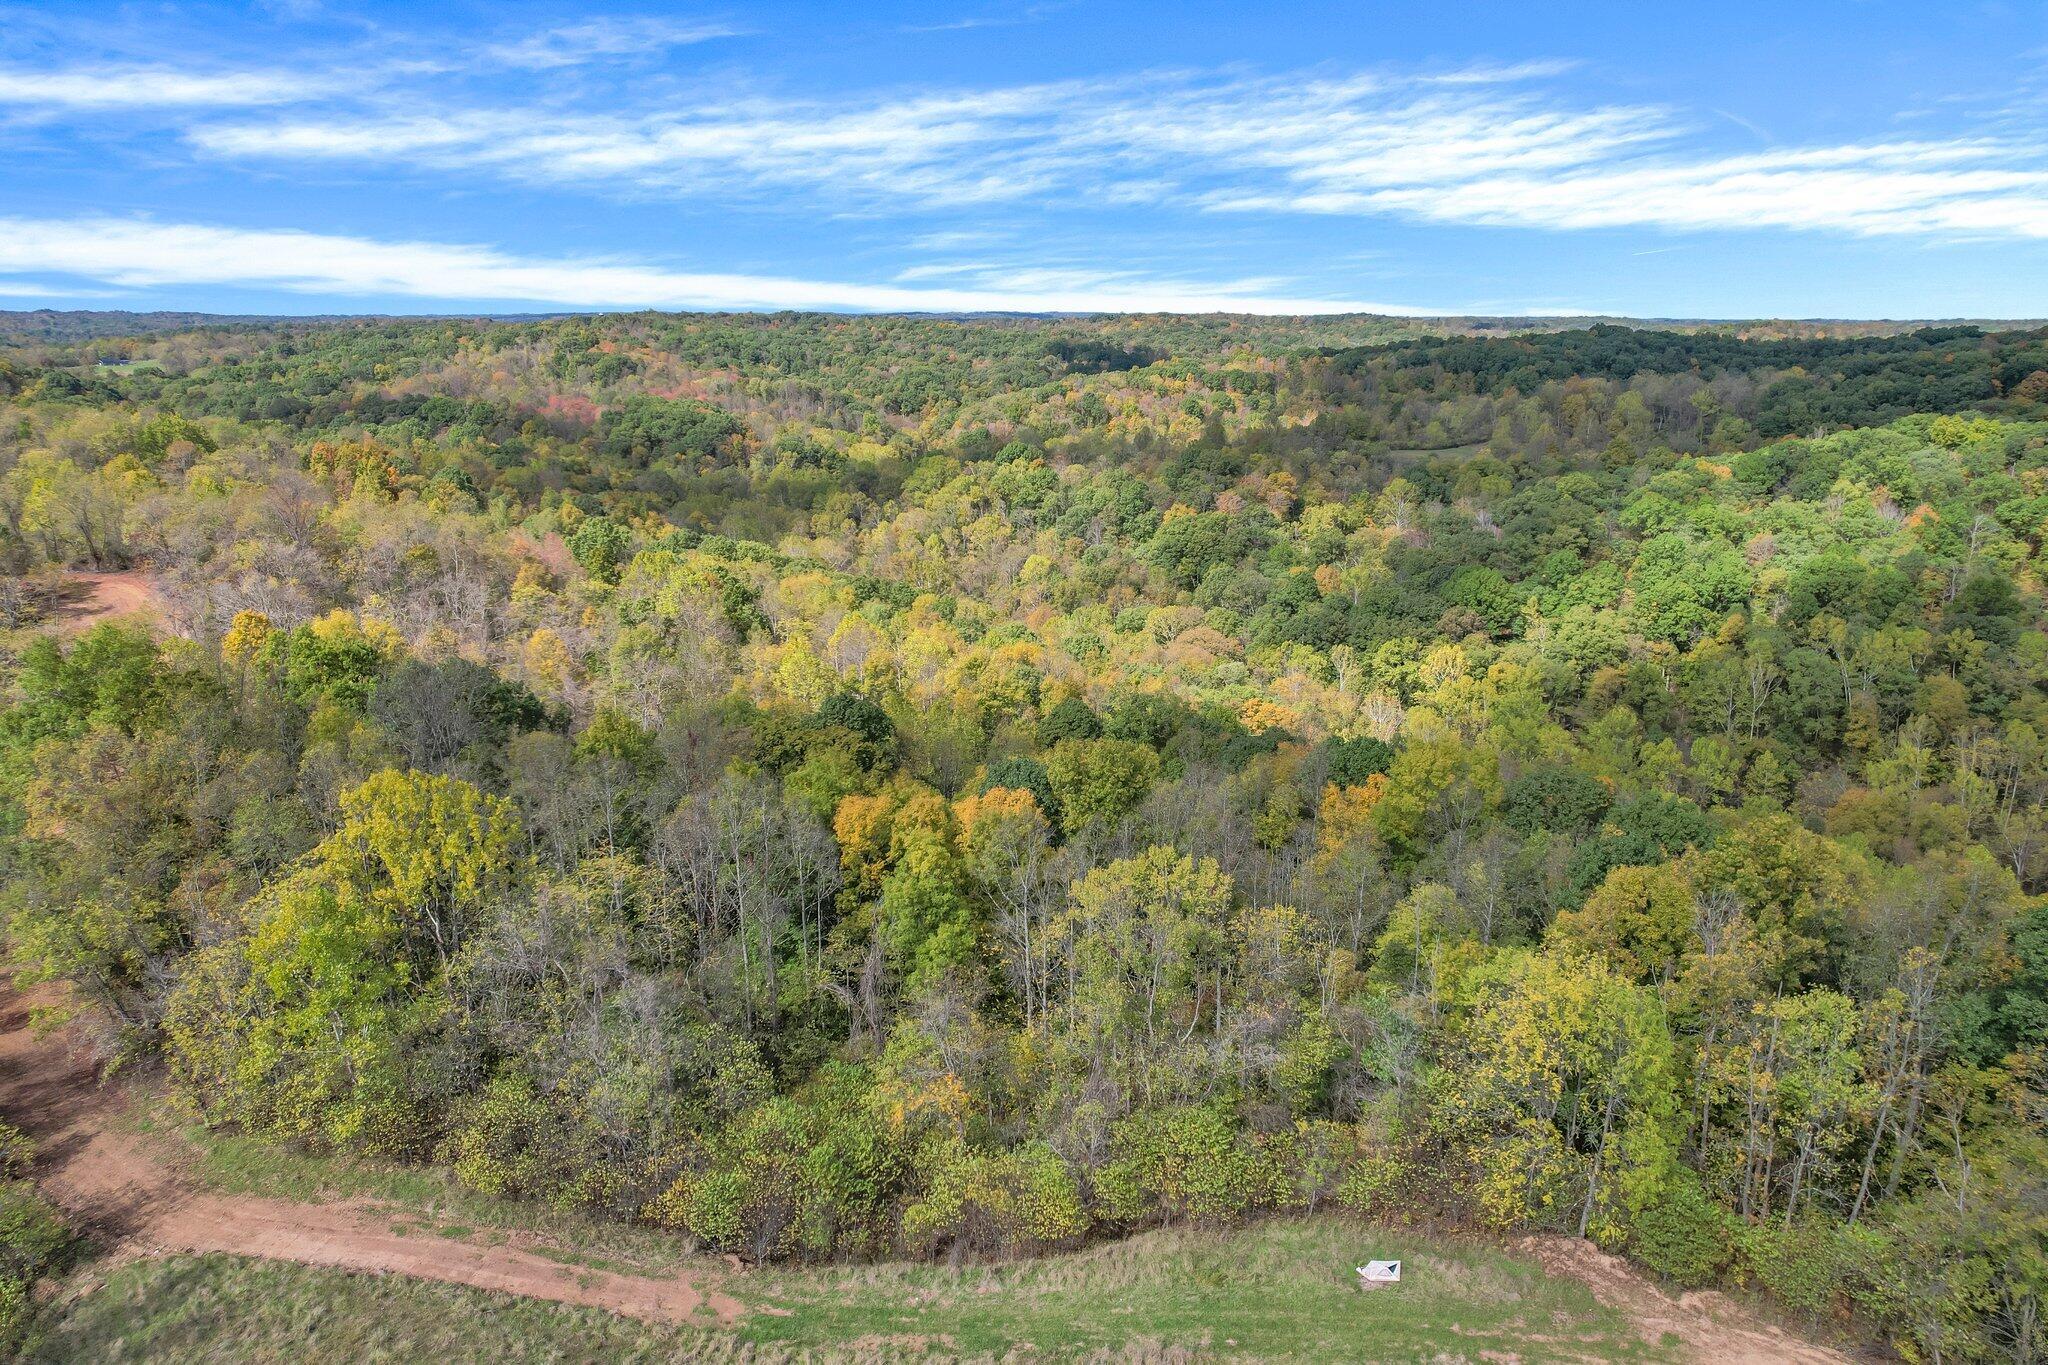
x: 866, y: 786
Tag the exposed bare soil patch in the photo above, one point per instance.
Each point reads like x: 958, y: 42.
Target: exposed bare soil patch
x: 86, y: 598
x: 1708, y: 1326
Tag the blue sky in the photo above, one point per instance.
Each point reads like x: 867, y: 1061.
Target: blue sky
x: 1715, y: 160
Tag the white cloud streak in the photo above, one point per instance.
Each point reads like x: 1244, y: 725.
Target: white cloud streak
x: 138, y: 254
x: 156, y: 87
x: 1947, y: 189
x: 598, y: 39
x: 936, y: 149
x: 1483, y: 145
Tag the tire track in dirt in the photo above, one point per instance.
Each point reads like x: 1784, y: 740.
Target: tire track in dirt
x: 116, y: 1188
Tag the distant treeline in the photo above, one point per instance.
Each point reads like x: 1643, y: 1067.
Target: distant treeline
x: 1814, y: 383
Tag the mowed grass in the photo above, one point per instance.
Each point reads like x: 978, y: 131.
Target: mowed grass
x: 232, y: 1310
x: 1283, y: 1290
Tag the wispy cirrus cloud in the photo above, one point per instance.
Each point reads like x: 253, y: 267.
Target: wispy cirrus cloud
x: 1148, y: 139
x: 1964, y: 188
x: 1483, y: 145
x: 142, y: 254
x: 1004, y: 18
x: 599, y: 39
x: 935, y: 149
x: 157, y: 87
x: 345, y: 79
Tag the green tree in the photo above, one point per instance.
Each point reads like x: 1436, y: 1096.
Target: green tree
x: 930, y: 922
x: 1141, y: 948
x: 315, y: 1023
x: 601, y: 546
x: 1096, y: 782
x: 1560, y: 1087
x: 1641, y: 919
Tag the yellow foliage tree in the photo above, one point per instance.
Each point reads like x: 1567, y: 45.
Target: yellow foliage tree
x: 1346, y: 813
x: 246, y: 635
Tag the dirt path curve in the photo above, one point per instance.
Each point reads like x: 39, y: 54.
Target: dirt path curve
x: 112, y: 1183
x: 1710, y: 1327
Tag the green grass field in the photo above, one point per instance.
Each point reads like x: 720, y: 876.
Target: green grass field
x: 1283, y: 1290
x: 1280, y: 1291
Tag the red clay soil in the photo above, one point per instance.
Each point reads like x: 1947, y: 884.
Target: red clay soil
x: 1708, y: 1326
x: 89, y: 598
x: 115, y: 1186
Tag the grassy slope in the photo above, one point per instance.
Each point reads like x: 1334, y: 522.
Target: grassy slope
x: 234, y: 1311
x: 1281, y: 1291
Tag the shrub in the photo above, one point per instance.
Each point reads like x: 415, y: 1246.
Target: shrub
x: 792, y: 1176
x: 1801, y: 1266
x: 1684, y: 1237
x: 973, y: 1199
x: 33, y: 1238
x: 1185, y: 1164
x: 504, y: 1139
x: 1374, y: 1185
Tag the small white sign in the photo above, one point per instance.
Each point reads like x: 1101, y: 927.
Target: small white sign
x: 1380, y: 1272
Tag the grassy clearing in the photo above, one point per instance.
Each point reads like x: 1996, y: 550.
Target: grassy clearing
x: 192, y: 1309
x: 1281, y: 1291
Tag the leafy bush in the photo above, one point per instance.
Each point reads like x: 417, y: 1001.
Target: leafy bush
x: 1803, y: 1266
x: 971, y: 1199
x: 1188, y: 1164
x: 1684, y: 1236
x: 33, y: 1238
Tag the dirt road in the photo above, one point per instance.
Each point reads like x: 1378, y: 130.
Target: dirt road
x: 114, y: 1184
x: 1709, y: 1326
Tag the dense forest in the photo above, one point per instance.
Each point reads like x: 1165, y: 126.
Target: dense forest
x: 844, y: 787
